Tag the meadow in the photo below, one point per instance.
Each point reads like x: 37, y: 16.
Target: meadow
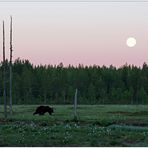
x: 97, y: 125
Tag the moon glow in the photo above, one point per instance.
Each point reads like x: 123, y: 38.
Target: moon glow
x: 131, y: 42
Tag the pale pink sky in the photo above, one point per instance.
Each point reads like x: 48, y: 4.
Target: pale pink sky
x: 73, y: 33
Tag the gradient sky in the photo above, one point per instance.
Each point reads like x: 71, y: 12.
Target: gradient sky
x: 77, y: 32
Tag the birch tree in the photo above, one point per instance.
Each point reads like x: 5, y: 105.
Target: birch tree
x: 4, y: 73
x: 10, y: 65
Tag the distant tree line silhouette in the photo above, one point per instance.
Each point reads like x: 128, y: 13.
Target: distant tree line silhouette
x: 56, y: 84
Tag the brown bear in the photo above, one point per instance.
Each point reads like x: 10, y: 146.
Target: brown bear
x: 41, y: 110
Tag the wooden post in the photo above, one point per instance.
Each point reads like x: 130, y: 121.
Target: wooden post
x: 4, y: 73
x: 10, y: 66
x: 75, y: 105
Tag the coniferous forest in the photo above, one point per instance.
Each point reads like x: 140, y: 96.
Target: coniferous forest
x: 56, y: 84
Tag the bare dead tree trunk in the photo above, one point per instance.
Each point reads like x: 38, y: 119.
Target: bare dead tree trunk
x: 4, y: 73
x: 75, y: 105
x: 10, y: 66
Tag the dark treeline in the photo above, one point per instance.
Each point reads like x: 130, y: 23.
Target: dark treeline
x: 57, y: 84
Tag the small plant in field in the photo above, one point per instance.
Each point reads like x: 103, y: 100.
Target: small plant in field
x: 76, y: 126
x: 67, y: 126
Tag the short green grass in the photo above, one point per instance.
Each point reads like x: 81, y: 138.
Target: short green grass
x: 97, y: 125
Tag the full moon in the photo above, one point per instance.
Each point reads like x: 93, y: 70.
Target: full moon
x: 131, y: 42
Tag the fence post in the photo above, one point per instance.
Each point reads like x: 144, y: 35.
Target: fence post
x: 75, y: 104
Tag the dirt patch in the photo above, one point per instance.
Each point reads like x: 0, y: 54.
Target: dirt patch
x: 141, y: 113
x: 5, y: 121
x: 78, y: 122
x: 133, y: 122
x: 129, y: 142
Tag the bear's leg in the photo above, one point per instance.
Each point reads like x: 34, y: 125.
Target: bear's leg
x: 41, y: 113
x: 34, y: 113
x: 50, y: 113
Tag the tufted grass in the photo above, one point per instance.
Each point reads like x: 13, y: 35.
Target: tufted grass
x: 97, y: 125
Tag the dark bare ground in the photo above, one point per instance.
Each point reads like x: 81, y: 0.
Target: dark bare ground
x: 134, y: 122
x: 141, y: 113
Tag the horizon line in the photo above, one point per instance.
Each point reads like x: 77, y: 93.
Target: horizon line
x: 79, y: 64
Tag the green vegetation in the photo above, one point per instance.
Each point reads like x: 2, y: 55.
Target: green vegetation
x: 56, y: 84
x: 97, y: 125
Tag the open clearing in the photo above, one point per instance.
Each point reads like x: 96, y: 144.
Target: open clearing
x: 97, y: 125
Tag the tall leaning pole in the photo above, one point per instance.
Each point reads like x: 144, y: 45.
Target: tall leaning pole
x: 10, y: 66
x: 4, y: 73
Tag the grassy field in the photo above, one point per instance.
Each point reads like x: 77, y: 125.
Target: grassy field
x: 97, y: 125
